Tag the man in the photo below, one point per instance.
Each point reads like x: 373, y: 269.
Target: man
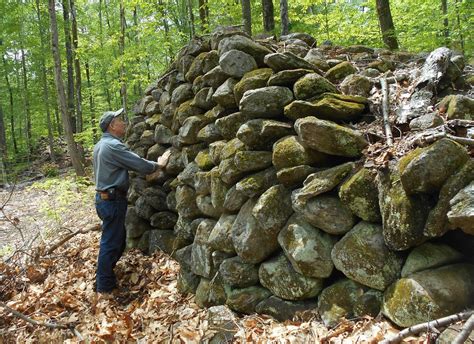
x: 112, y: 161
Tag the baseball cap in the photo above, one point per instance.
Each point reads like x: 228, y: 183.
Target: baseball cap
x: 107, y: 117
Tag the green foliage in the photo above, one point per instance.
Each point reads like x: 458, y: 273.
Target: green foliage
x: 49, y: 169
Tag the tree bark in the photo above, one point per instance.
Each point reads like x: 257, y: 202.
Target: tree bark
x: 386, y: 24
x: 123, y: 87
x: 91, y: 104
x: 203, y: 15
x: 77, y: 68
x: 285, y: 23
x: 247, y: 16
x: 444, y: 8
x: 458, y: 19
x: 268, y: 16
x: 137, y: 42
x: 71, y: 145
x: 45, y: 83
x: 167, y: 30
x: 26, y: 98
x: 69, y: 64
x: 191, y: 18
x: 10, y: 98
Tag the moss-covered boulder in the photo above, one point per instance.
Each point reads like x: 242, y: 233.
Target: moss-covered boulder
x: 403, y: 216
x: 236, y: 63
x: 312, y: 85
x: 273, y: 208
x: 261, y: 134
x: 244, y: 300
x: 322, y: 181
x: 428, y: 256
x: 325, y: 212
x: 265, y: 102
x: 282, y: 280
x: 330, y: 138
x: 238, y: 274
x: 244, y: 44
x: 287, y: 60
x: 214, y: 78
x: 204, y: 204
x: 251, y: 243
x: 188, y: 132
x: 203, y: 160
x: 287, y: 77
x: 187, y: 282
x: 251, y: 161
x: 163, y: 220
x: 229, y: 172
x: 294, y: 176
x: 234, y: 200
x: 257, y: 183
x: 224, y: 95
x: 437, y: 222
x: 210, y: 293
x: 285, y: 310
x: 252, y: 80
x: 430, y: 294
x: 196, y: 67
x: 186, y: 202
x: 203, y: 99
x: 182, y: 93
x: 230, y: 124
x: 338, y: 300
x: 360, y: 194
x: 135, y: 225
x: 220, y: 237
x: 458, y: 107
x: 289, y: 152
x: 430, y: 120
x: 356, y: 85
x: 218, y: 190
x: 307, y: 248
x: 426, y: 169
x: 461, y: 214
x: 162, y: 134
x: 340, y: 71
x: 201, y: 254
x: 231, y: 148
x: 363, y: 256
x: 202, y: 182
x: 161, y: 240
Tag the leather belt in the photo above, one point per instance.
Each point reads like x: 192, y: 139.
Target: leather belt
x: 111, y: 194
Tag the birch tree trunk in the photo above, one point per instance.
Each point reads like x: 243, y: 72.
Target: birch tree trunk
x: 71, y: 145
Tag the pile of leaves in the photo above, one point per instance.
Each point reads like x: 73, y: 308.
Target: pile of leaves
x: 57, y: 290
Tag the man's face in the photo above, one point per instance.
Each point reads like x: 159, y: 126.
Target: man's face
x: 118, y: 127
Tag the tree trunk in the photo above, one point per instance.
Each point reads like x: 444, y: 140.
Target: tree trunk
x: 26, y: 99
x: 167, y: 31
x: 203, y: 15
x: 10, y: 98
x: 71, y: 145
x: 284, y: 17
x: 458, y: 19
x: 3, y: 144
x: 191, y: 18
x: 69, y: 64
x: 386, y: 24
x: 123, y: 88
x: 444, y: 8
x: 326, y: 19
x: 268, y: 19
x: 247, y: 16
x: 77, y: 68
x: 91, y: 104
x: 44, y: 83
x: 137, y: 42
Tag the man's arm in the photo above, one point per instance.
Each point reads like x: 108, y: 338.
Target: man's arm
x: 123, y: 157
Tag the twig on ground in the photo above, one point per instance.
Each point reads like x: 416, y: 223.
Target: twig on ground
x: 14, y: 222
x: 68, y: 237
x: 466, y: 331
x: 42, y: 324
x: 442, y: 322
x: 385, y: 111
x: 437, y: 136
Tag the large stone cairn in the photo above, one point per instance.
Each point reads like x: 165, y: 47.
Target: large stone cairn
x: 265, y: 202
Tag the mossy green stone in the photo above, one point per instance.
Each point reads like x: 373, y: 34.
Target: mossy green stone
x: 245, y: 300
x: 210, y: 293
x: 251, y: 80
x: 294, y: 176
x: 360, y: 194
x: 430, y: 294
x: 289, y: 152
x: 204, y: 161
x: 340, y: 71
x: 428, y: 256
x: 187, y: 282
x: 312, y: 85
x: 250, y: 161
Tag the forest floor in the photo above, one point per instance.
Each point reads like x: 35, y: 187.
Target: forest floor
x: 55, y: 288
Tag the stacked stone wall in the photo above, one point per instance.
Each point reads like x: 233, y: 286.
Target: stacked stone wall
x: 270, y: 201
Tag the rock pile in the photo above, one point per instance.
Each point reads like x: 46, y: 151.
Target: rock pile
x: 266, y: 202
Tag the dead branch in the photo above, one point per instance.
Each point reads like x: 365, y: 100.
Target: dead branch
x: 385, y: 111
x: 69, y: 236
x: 442, y: 322
x: 437, y: 136
x: 466, y: 331
x: 14, y: 221
x: 49, y: 325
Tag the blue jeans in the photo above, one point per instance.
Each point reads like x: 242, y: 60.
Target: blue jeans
x: 112, y: 241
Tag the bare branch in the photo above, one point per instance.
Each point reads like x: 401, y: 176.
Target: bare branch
x: 466, y: 331
x: 385, y: 111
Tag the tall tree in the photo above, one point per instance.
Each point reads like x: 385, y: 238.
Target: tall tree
x: 91, y: 104
x: 77, y: 67
x: 71, y: 145
x: 204, y: 15
x: 247, y: 16
x: 444, y: 8
x: 3, y: 148
x: 26, y: 98
x: 268, y: 19
x: 44, y: 81
x: 189, y: 4
x: 123, y: 85
x: 69, y: 64
x: 101, y: 41
x: 284, y: 17
x: 386, y: 24
x: 12, y: 109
